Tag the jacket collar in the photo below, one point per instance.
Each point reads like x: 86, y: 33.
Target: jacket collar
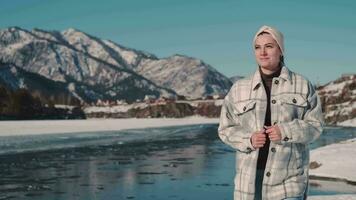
x: 257, y: 80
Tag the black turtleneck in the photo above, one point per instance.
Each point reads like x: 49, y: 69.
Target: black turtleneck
x: 267, y: 83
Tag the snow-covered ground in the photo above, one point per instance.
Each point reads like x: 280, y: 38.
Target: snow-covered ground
x: 35, y: 127
x: 349, y: 123
x: 333, y: 197
x: 335, y: 160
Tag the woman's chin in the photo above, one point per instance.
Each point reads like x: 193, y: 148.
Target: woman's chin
x: 269, y: 68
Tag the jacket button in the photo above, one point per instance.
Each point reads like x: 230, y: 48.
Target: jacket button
x: 286, y: 139
x: 276, y: 82
x: 273, y: 149
x: 294, y: 101
x: 268, y: 174
x: 273, y: 101
x: 244, y: 108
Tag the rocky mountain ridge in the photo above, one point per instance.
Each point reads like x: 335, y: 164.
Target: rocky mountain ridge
x: 339, y: 99
x: 101, y: 69
x: 51, y: 55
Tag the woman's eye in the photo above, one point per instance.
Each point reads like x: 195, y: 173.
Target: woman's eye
x: 257, y: 47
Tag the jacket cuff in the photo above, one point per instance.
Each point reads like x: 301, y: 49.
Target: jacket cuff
x: 249, y: 146
x: 286, y: 133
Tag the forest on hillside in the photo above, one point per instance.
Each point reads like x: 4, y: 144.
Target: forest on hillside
x: 21, y: 105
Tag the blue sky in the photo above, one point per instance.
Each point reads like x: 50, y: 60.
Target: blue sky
x: 320, y: 35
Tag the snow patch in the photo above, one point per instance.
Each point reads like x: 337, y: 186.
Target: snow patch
x: 331, y: 156
x: 348, y: 123
x: 334, y: 197
x: 38, y: 127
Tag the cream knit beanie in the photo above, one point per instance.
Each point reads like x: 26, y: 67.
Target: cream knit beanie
x: 278, y: 36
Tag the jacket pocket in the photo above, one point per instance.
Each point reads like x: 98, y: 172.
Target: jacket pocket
x: 246, y: 114
x: 293, y: 106
x: 294, y: 100
x: 244, y: 107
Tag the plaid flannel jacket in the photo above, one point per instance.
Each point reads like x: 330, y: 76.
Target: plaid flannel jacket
x: 296, y: 109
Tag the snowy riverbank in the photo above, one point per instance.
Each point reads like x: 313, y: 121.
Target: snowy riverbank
x: 348, y: 123
x: 36, y: 127
x: 335, y: 161
x: 333, y: 197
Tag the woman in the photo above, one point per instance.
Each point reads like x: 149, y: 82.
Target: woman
x: 270, y: 118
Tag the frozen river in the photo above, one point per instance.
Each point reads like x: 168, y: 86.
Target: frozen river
x: 182, y: 162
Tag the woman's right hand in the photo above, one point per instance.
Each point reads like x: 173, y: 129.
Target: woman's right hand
x: 258, y: 139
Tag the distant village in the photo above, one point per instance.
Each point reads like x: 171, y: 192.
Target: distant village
x: 153, y: 100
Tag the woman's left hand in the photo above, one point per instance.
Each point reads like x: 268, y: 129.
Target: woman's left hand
x: 273, y: 133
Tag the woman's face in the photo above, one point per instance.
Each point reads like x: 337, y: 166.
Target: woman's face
x: 267, y: 53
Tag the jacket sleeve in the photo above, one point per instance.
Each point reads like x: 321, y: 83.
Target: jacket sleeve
x: 230, y: 130
x: 307, y: 129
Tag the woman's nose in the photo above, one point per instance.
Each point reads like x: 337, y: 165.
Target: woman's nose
x: 263, y: 51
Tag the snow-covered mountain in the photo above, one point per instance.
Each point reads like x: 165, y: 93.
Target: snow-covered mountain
x: 187, y: 76
x: 50, y: 54
x: 199, y: 78
x: 102, y: 69
x: 339, y: 100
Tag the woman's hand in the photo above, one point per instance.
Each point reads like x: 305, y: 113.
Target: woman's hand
x: 258, y: 139
x: 274, y: 133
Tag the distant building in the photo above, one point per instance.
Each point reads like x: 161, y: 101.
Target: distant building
x: 150, y: 98
x: 121, y: 102
x: 218, y: 96
x: 208, y: 97
x: 164, y: 100
x: 100, y: 102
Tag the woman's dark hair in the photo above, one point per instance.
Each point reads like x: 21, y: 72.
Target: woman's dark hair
x: 281, y: 60
x: 263, y: 32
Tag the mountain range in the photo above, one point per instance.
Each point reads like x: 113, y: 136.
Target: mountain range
x: 84, y: 67
x: 72, y: 67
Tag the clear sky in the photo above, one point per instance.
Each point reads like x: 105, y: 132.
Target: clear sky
x: 320, y: 35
